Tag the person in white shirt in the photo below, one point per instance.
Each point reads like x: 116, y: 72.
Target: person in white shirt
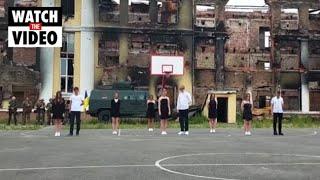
x: 277, y: 110
x: 76, y: 101
x: 184, y: 100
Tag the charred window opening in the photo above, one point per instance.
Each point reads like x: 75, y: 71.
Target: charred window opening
x: 167, y: 45
x: 108, y: 50
x: 139, y: 50
x: 140, y: 44
x: 205, y: 50
x: 109, y: 11
x: 67, y: 8
x: 263, y: 65
x: 168, y: 11
x: 264, y: 38
x: 25, y: 3
x: 289, y: 19
x: 67, y: 63
x: 205, y: 16
x: 264, y: 101
x: 139, y: 11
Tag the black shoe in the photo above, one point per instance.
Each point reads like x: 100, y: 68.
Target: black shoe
x: 281, y: 134
x: 275, y: 133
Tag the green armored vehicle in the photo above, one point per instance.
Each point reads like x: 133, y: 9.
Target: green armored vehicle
x: 133, y: 102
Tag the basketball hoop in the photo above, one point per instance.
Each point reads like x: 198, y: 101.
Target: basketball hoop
x: 167, y: 66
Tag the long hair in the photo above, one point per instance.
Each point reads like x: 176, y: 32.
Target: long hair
x: 58, y: 97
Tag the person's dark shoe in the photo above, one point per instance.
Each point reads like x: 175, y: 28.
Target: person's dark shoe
x: 275, y: 133
x: 281, y: 134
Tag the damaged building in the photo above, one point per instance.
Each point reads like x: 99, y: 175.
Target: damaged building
x: 226, y: 48
x: 19, y: 70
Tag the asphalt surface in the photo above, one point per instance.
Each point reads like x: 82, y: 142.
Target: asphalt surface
x: 140, y: 155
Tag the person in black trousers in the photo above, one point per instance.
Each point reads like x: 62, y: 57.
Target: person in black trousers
x: 277, y: 110
x: 76, y: 101
x: 115, y: 113
x: 184, y: 100
x: 13, y: 110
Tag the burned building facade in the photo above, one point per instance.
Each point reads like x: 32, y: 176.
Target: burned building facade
x: 19, y: 71
x: 225, y: 48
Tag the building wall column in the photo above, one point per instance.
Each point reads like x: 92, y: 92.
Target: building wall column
x: 305, y: 97
x: 46, y: 65
x: 87, y: 67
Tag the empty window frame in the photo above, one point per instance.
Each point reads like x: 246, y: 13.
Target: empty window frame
x: 108, y: 54
x: 109, y: 11
x: 205, y: 16
x: 168, y: 11
x: 139, y: 11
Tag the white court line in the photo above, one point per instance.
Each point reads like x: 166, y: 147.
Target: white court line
x: 255, y: 164
x: 77, y: 167
x: 162, y: 166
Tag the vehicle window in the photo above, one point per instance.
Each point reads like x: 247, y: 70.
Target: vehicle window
x: 131, y: 97
x: 141, y: 97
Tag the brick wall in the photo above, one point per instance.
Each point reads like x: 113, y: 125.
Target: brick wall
x: 24, y: 56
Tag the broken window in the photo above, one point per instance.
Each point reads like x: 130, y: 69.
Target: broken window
x: 264, y: 37
x: 67, y: 8
x: 205, y: 16
x: 289, y: 19
x: 168, y: 11
x: 67, y: 63
x: 139, y: 11
x: 139, y: 50
x: 108, y: 50
x: 264, y: 101
x: 139, y: 44
x: 25, y: 3
x: 109, y: 11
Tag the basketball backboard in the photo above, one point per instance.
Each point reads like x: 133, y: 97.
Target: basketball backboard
x: 162, y: 65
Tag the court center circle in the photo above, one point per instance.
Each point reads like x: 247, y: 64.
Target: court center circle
x: 160, y: 163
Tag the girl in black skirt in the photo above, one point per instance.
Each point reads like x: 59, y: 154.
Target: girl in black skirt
x: 115, y: 113
x: 164, y: 111
x: 58, y: 109
x: 212, y: 113
x: 151, y: 113
x: 246, y: 107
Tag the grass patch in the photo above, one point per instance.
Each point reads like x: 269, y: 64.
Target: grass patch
x: 20, y: 127
x: 195, y: 122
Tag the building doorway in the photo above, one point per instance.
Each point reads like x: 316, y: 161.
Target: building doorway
x: 222, y: 109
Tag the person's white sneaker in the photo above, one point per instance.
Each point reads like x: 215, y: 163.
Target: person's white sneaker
x: 186, y: 133
x: 56, y: 134
x: 114, y: 132
x: 180, y: 133
x: 249, y: 133
x: 163, y: 133
x: 213, y: 131
x: 150, y: 129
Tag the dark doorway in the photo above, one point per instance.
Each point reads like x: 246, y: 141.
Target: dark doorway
x: 262, y: 101
x: 222, y: 110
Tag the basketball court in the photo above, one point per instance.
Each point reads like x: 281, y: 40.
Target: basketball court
x: 138, y: 154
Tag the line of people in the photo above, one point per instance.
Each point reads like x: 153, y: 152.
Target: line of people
x: 59, y: 110
x: 43, y: 111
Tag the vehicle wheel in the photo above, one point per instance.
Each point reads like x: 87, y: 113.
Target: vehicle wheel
x: 104, y: 116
